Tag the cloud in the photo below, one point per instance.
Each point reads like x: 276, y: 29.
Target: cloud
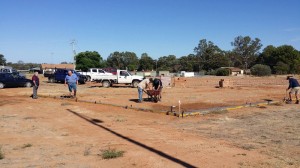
x: 295, y: 39
x: 291, y: 29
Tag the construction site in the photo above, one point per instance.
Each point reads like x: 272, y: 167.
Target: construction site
x: 200, y: 122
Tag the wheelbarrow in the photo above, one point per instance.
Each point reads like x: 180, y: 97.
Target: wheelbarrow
x: 153, y: 95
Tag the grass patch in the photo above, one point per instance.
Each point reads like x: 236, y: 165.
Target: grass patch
x: 111, y: 154
x: 1, y: 154
x: 26, y: 146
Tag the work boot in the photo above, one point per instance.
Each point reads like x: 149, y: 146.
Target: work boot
x: 289, y: 102
x: 297, y: 101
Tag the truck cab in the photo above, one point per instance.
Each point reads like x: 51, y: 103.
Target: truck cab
x: 121, y: 77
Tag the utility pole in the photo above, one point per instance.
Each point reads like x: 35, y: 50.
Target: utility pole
x: 73, y: 43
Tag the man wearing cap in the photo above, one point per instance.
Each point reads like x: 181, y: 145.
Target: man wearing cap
x: 294, y: 88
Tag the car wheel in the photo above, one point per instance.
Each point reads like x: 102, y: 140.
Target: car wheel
x: 106, y: 84
x: 27, y: 84
x: 82, y: 82
x: 135, y: 84
x: 51, y: 80
x: 1, y: 85
x: 88, y: 78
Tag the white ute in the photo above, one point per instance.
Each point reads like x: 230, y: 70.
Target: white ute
x: 95, y: 73
x: 122, y: 77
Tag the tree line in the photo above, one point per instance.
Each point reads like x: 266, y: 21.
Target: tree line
x: 207, y: 57
x: 246, y: 53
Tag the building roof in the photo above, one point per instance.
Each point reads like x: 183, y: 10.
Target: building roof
x: 53, y: 66
x: 233, y: 69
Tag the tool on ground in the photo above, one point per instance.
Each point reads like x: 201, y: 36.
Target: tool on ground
x: 286, y: 98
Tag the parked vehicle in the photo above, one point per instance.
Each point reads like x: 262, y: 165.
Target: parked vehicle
x: 60, y: 74
x: 94, y: 74
x: 111, y: 70
x: 7, y: 69
x: 14, y: 80
x: 122, y: 77
x: 48, y: 73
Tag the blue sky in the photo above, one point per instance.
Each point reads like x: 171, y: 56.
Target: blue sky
x: 40, y: 31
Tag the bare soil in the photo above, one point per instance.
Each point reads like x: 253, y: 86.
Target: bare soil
x: 55, y: 132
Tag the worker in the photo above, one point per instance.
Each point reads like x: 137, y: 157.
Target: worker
x: 294, y: 88
x: 144, y: 84
x: 36, y: 84
x: 157, y: 84
x: 72, y: 81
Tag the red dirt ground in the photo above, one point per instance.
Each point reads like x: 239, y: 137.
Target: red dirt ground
x: 54, y: 132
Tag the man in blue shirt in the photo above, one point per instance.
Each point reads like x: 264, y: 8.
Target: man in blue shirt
x: 294, y: 88
x: 72, y: 81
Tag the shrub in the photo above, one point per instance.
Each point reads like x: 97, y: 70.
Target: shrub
x: 261, y: 70
x: 281, y: 68
x: 111, y: 153
x: 211, y: 72
x: 222, y: 72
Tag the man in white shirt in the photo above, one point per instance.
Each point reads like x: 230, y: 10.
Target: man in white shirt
x: 144, y: 84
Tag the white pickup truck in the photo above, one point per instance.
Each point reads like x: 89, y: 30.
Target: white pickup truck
x: 95, y: 74
x: 122, y: 77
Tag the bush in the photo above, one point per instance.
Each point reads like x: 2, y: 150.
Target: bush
x: 261, y: 70
x: 211, y: 72
x: 222, y: 72
x: 111, y: 153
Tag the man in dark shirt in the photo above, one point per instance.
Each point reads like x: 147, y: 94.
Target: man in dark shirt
x: 36, y: 84
x: 294, y: 88
x: 157, y: 84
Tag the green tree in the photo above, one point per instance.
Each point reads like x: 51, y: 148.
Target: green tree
x: 234, y: 60
x: 2, y: 60
x: 88, y: 59
x: 222, y: 72
x: 123, y: 60
x: 168, y: 63
x: 281, y: 68
x: 209, y: 55
x: 282, y: 60
x: 268, y: 57
x: 146, y: 63
x: 188, y: 63
x: 247, y: 49
x: 115, y: 60
x: 130, y: 60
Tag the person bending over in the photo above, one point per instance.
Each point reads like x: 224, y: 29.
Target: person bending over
x: 294, y: 88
